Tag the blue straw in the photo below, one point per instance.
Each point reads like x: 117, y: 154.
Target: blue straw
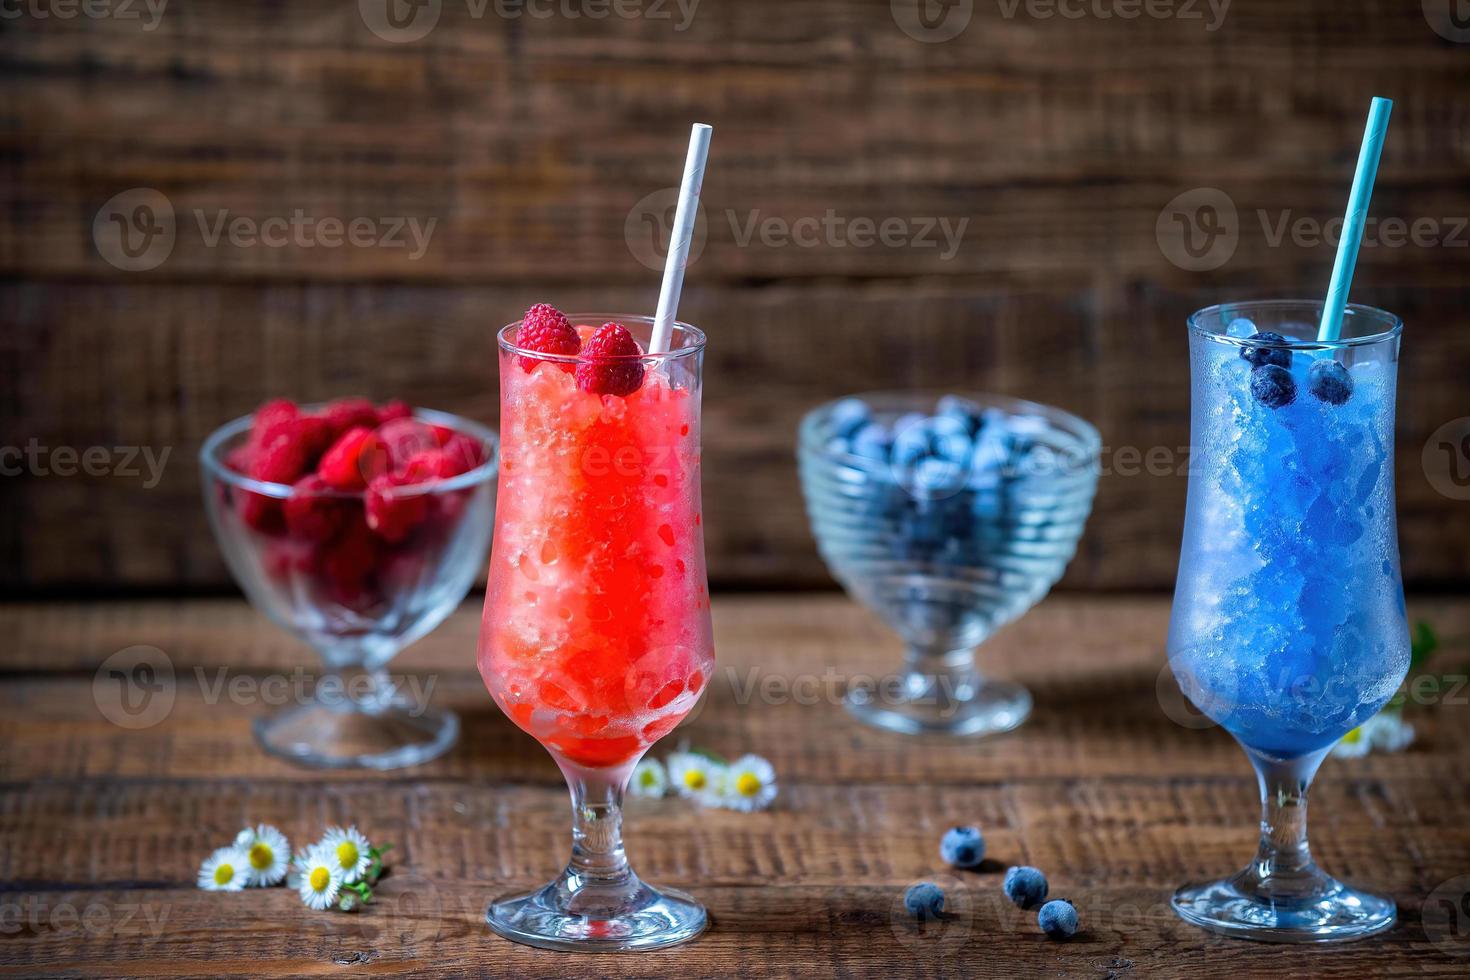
x: 1353, y: 221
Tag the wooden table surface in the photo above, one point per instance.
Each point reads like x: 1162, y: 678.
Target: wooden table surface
x: 102, y: 828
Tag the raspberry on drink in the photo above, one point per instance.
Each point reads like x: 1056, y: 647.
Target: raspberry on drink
x: 610, y: 363
x: 547, y: 330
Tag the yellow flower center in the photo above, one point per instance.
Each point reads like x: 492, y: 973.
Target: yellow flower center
x: 320, y: 878
x: 694, y: 779
x: 224, y: 874
x: 747, y: 784
x: 261, y: 857
x: 647, y: 777
x: 1354, y: 737
x: 347, y: 854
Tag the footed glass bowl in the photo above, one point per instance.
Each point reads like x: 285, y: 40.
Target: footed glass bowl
x: 948, y: 516
x: 356, y: 597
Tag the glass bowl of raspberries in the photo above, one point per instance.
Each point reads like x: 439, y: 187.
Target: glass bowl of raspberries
x: 358, y: 528
x: 948, y: 516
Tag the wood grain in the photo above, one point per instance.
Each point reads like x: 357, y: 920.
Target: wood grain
x: 530, y: 141
x: 101, y: 828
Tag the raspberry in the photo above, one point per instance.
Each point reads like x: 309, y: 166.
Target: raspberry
x: 396, y: 409
x: 312, y: 513
x: 347, y: 566
x: 238, y: 459
x: 353, y: 459
x: 426, y: 466
x: 285, y: 453
x: 349, y: 413
x: 261, y: 512
x: 546, y: 329
x: 463, y: 454
x: 268, y: 416
x: 610, y: 366
x: 403, y: 438
x: 392, y: 514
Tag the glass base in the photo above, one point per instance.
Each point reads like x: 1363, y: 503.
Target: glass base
x: 574, y: 914
x: 988, y: 708
x: 1318, y: 909
x: 333, y: 737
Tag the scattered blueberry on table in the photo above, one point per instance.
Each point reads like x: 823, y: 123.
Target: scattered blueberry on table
x: 1026, y: 886
x: 1058, y: 919
x: 924, y: 900
x: 962, y: 847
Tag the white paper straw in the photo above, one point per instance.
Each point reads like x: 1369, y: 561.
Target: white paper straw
x: 684, y: 217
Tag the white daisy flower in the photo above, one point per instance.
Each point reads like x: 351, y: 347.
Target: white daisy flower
x: 316, y: 878
x: 750, y: 784
x: 1353, y: 745
x: 226, y: 870
x: 269, y: 853
x: 348, y: 849
x: 696, y: 777
x: 649, y: 779
x: 1386, y: 731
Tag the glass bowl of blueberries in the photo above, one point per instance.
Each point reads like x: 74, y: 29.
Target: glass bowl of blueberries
x: 949, y: 516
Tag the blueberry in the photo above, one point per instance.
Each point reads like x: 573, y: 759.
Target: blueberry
x: 1273, y: 386
x: 968, y: 414
x: 847, y: 416
x: 963, y: 847
x: 924, y: 900
x: 1267, y: 355
x: 1058, y: 919
x: 935, y: 476
x: 1026, y: 886
x: 873, y: 441
x: 1330, y: 382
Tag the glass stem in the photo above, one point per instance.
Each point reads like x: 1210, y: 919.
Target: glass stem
x: 1284, y: 859
x: 597, y: 824
x: 944, y: 680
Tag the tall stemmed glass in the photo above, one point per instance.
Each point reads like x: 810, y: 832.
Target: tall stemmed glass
x: 1288, y: 625
x: 596, y: 635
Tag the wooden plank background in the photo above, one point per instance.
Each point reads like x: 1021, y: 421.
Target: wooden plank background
x: 531, y: 141
x: 1117, y: 802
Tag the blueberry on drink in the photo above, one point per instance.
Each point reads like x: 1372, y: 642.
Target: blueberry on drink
x: 1273, y: 386
x: 1259, y: 355
x: 1330, y: 382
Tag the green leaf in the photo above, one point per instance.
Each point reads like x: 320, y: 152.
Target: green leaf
x: 1423, y: 643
